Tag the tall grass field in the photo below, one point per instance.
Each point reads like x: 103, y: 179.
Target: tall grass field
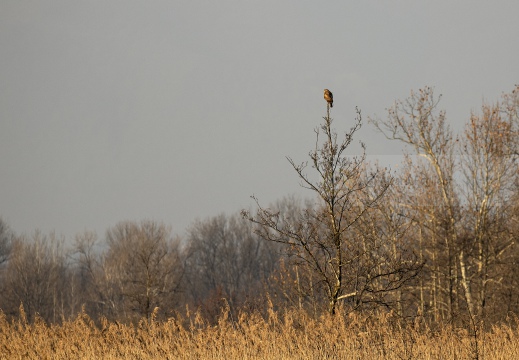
x: 275, y: 335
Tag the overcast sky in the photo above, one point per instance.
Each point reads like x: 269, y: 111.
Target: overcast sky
x: 177, y: 110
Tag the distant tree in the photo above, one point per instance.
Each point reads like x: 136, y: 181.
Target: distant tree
x: 292, y: 284
x: 88, y: 285
x: 324, y: 239
x: 5, y: 241
x: 36, y: 277
x: 142, y: 269
x: 226, y: 262
x: 6, y: 238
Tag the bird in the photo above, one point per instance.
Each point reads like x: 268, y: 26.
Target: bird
x: 328, y: 96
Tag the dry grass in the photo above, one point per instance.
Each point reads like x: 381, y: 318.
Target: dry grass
x: 291, y: 335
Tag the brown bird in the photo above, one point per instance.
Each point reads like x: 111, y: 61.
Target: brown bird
x: 328, y: 96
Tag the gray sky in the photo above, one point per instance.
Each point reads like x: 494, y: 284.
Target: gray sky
x: 177, y: 110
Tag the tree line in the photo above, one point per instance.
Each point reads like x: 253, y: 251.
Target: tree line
x: 436, y: 238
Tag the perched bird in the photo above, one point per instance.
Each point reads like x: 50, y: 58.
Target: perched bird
x: 328, y: 96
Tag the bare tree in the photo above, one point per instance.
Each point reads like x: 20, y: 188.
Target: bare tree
x: 389, y: 233
x: 489, y: 168
x: 416, y: 122
x: 323, y: 239
x: 142, y: 269
x: 414, y: 200
x: 458, y: 195
x: 225, y: 261
x: 88, y: 281
x: 292, y: 284
x: 36, y: 277
x: 5, y: 241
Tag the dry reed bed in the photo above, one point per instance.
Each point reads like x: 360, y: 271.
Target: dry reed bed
x: 291, y: 335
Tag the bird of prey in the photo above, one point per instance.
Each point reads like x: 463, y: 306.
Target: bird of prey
x: 328, y: 96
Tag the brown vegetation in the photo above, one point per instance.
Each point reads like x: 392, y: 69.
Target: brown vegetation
x: 278, y: 335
